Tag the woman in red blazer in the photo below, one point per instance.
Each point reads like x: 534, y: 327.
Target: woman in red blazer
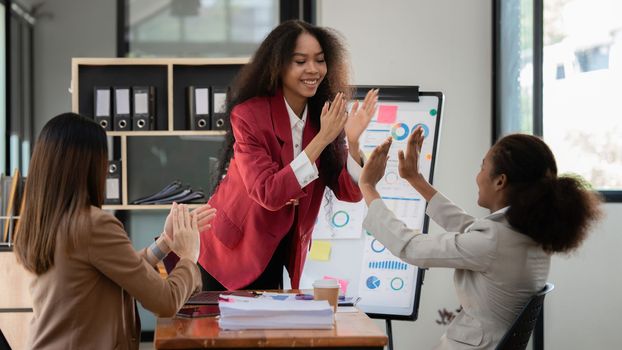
x: 289, y: 127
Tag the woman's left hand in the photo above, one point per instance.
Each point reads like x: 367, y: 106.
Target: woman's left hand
x: 359, y: 118
x: 375, y: 166
x: 205, y: 214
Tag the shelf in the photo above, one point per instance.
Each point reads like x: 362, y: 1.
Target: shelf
x: 167, y: 133
x: 144, y: 206
x: 152, y: 158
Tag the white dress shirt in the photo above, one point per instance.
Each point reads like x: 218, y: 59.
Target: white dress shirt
x: 304, y: 170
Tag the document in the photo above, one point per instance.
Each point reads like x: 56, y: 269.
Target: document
x: 262, y: 313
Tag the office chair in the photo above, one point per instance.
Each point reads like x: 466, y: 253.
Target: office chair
x: 517, y: 337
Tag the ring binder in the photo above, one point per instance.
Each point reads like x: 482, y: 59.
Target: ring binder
x: 199, y: 108
x: 121, y: 117
x: 113, y: 183
x: 143, y: 117
x: 220, y: 120
x: 101, y: 111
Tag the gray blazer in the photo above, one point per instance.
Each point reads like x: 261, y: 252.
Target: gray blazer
x: 497, y: 268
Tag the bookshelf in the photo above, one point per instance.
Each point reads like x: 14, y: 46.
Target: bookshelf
x: 170, y: 77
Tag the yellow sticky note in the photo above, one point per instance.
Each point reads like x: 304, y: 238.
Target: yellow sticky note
x: 320, y: 250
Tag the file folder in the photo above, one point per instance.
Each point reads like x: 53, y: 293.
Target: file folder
x: 102, y: 107
x: 113, y: 183
x: 143, y: 115
x: 220, y: 120
x: 121, y: 116
x: 199, y: 108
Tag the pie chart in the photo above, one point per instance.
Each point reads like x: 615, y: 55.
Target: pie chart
x: 340, y: 219
x: 373, y: 282
x: 399, y: 131
x: 426, y: 130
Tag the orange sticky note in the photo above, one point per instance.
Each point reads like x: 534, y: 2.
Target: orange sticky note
x: 387, y: 114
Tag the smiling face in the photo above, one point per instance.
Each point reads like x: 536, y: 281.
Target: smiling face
x: 304, y: 73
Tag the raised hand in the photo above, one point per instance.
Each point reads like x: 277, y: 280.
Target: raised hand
x: 409, y: 161
x: 333, y: 119
x: 205, y: 214
x: 374, y: 168
x: 186, y: 243
x: 359, y: 118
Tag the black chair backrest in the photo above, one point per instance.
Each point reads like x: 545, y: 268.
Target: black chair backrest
x: 517, y: 337
x: 4, y: 344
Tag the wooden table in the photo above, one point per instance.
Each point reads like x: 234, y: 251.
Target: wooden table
x: 352, y: 331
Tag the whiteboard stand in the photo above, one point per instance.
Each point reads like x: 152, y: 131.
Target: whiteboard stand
x: 389, y: 288
x: 389, y: 333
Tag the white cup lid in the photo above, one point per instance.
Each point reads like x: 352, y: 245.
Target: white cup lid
x: 326, y: 283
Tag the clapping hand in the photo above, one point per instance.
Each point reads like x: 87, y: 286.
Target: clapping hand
x: 359, y: 117
x: 205, y: 214
x: 333, y: 118
x: 409, y: 161
x: 186, y: 242
x: 375, y: 166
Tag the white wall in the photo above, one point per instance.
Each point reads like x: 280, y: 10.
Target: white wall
x: 440, y: 45
x: 446, y: 45
x: 66, y: 29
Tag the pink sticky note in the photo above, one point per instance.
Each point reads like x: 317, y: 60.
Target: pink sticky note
x: 387, y: 114
x: 343, y: 284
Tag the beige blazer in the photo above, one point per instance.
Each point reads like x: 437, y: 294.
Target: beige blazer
x: 86, y: 300
x: 497, y: 268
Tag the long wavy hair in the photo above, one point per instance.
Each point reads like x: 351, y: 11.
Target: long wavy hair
x: 67, y: 175
x: 555, y: 211
x: 262, y: 77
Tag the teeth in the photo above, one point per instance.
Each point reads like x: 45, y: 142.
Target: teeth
x: 310, y: 82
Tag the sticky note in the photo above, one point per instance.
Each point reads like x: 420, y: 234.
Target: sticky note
x: 387, y: 114
x: 343, y: 284
x: 320, y: 251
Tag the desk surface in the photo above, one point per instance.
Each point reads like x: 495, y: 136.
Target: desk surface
x: 353, y: 329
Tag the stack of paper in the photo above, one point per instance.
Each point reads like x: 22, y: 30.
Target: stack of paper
x: 275, y: 314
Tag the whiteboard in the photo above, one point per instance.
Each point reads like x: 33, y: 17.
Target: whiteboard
x: 388, y: 287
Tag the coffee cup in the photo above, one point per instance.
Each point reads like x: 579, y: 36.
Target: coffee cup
x: 326, y: 289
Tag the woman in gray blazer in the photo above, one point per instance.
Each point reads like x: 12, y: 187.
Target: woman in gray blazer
x: 501, y: 260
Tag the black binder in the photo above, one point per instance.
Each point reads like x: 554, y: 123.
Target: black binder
x: 113, y: 183
x: 199, y: 108
x: 143, y: 103
x: 101, y: 110
x: 121, y: 116
x: 220, y: 120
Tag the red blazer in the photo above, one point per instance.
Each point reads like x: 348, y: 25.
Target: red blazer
x: 252, y: 200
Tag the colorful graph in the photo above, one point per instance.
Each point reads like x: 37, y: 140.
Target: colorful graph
x: 373, y: 282
x: 397, y: 283
x: 399, y: 131
x: 426, y: 130
x: 388, y: 265
x: 340, y: 219
x: 376, y: 246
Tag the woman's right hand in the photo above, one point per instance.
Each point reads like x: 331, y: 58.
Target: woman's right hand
x: 409, y: 161
x: 186, y: 243
x: 333, y: 118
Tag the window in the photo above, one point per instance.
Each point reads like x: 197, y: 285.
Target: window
x: 198, y: 28
x: 559, y: 68
x: 3, y: 87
